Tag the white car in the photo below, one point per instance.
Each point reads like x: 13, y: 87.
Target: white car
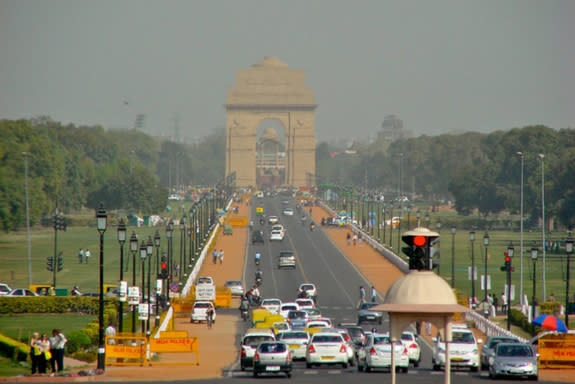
x: 200, y: 311
x: 463, y: 350
x: 376, y: 353
x: 411, y: 342
x: 318, y: 324
x: 20, y: 292
x: 272, y: 305
x: 297, y: 342
x: 288, y: 211
x: 326, y: 348
x: 273, y: 219
x: 4, y: 289
x: 276, y: 235
x: 305, y: 303
x: 235, y: 286
x: 307, y: 290
x: 278, y: 227
x: 286, y: 307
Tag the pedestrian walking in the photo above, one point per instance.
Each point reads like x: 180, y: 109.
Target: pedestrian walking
x: 495, y: 302
x: 221, y: 255
x: 110, y: 333
x: 81, y: 256
x: 215, y: 256
x: 210, y: 317
x: 348, y: 238
x: 354, y: 239
x: 57, y: 344
x: 373, y: 294
x: 503, y: 302
x: 359, y: 239
x: 361, y: 294
x: 87, y: 255
x: 428, y: 328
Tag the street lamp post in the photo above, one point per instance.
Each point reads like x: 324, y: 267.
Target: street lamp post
x: 169, y: 233
x: 102, y: 223
x: 182, y: 247
x: 157, y: 240
x: 149, y: 254
x: 520, y: 154
x: 418, y: 217
x: 28, y: 238
x: 438, y: 225
x: 134, y: 250
x: 568, y: 250
x: 472, y: 239
x: 510, y: 252
x: 542, y: 158
x: 122, y: 240
x: 485, y: 279
x: 426, y: 219
x: 533, y: 303
x: 453, y: 231
x: 143, y: 254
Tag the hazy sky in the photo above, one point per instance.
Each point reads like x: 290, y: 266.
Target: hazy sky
x: 441, y: 66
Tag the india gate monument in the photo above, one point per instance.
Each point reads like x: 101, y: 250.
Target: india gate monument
x: 270, y: 92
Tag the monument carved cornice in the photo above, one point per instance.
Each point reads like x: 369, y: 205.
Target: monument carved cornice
x: 270, y: 107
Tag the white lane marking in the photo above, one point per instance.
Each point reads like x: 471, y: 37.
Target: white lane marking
x: 332, y: 372
x: 310, y: 372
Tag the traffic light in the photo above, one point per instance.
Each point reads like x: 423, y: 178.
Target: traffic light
x: 50, y: 263
x: 507, y: 266
x: 415, y: 251
x: 59, y: 223
x: 60, y: 263
x: 164, y: 271
x: 420, y: 241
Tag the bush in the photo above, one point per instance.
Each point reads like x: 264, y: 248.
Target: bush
x: 77, y: 341
x: 520, y: 320
x: 550, y: 307
x: 53, y: 304
x: 13, y: 349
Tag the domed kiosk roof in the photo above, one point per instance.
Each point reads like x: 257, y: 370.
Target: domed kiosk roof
x: 420, y: 291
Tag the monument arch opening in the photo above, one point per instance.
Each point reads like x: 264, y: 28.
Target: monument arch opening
x: 270, y: 92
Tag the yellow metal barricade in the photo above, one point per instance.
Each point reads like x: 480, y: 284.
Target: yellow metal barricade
x: 557, y: 351
x: 176, y: 345
x: 238, y: 221
x: 223, y: 297
x: 126, y: 350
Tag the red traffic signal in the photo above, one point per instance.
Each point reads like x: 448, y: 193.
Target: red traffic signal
x: 164, y: 266
x: 507, y: 259
x: 419, y: 241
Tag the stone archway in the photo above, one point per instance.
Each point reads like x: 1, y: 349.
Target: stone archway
x: 270, y: 91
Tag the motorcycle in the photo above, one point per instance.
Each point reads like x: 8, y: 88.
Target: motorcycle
x: 311, y: 226
x: 257, y: 259
x: 244, y: 314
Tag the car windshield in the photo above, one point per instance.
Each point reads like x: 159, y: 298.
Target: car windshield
x: 271, y: 302
x: 406, y: 337
x: 293, y: 335
x: 272, y: 348
x: 204, y: 280
x: 367, y: 305
x: 232, y: 283
x: 256, y: 339
x: 380, y: 340
x: 327, y: 339
x: 494, y: 342
x: 307, y: 287
x: 297, y: 315
x: 463, y: 337
x: 289, y: 308
x: 304, y: 302
x: 514, y: 351
x: 355, y: 332
x: 202, y: 305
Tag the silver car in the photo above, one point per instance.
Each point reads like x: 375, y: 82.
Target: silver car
x: 272, y: 357
x: 513, y: 360
x: 488, y: 348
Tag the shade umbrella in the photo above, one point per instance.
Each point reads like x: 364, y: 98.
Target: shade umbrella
x: 550, y: 322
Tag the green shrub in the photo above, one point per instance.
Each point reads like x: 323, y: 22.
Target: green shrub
x: 549, y: 307
x: 53, y: 304
x: 88, y: 356
x: 13, y: 349
x: 77, y: 341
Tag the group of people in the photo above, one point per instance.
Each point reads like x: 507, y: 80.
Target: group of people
x: 362, y: 295
x: 253, y: 295
x: 218, y: 255
x: 84, y: 256
x: 356, y: 239
x: 47, y: 352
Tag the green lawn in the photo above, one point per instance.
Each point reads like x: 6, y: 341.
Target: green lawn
x: 10, y: 368
x: 21, y: 326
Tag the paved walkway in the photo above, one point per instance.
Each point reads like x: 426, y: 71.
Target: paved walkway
x: 218, y: 346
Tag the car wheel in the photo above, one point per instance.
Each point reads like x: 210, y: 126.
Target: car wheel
x: 308, y: 365
x: 351, y: 362
x: 405, y: 369
x: 483, y: 367
x: 474, y: 369
x: 534, y: 378
x: 288, y: 374
x: 242, y: 368
x: 367, y: 368
x: 344, y: 365
x: 416, y: 363
x: 436, y: 367
x: 359, y: 367
x: 255, y: 373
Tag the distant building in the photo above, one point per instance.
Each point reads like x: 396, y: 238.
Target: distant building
x: 392, y: 129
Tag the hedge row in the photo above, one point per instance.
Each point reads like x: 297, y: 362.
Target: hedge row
x: 13, y: 349
x: 52, y: 304
x: 520, y: 320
